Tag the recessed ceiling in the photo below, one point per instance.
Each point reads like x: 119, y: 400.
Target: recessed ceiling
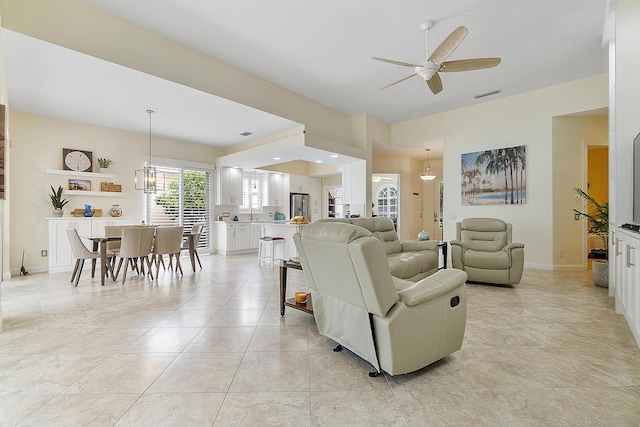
x: 319, y: 49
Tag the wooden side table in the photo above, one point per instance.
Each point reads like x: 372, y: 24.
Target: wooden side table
x: 443, y: 249
x: 307, y: 306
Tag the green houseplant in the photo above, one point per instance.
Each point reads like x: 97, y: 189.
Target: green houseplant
x: 104, y: 163
x: 597, y: 217
x: 57, y: 202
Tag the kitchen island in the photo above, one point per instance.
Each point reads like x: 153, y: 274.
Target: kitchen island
x: 285, y: 230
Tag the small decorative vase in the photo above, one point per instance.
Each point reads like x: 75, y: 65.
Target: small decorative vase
x: 104, y: 170
x: 57, y: 212
x: 115, y: 211
x: 423, y: 235
x: 88, y: 211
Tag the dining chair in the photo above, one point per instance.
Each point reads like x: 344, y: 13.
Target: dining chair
x: 168, y: 241
x: 81, y: 253
x: 196, y: 230
x: 136, y: 245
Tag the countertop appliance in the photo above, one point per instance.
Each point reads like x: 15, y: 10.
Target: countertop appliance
x: 299, y: 205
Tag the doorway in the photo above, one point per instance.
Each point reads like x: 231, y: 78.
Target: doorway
x: 385, y: 200
x: 597, y: 186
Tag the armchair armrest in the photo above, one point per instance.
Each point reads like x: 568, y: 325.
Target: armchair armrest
x: 432, y: 287
x: 511, y: 246
x: 460, y: 243
x: 424, y: 245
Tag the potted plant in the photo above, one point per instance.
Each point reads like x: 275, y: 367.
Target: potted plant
x: 57, y: 202
x: 597, y: 216
x: 104, y: 164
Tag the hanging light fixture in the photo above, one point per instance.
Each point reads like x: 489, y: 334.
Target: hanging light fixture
x: 146, y: 177
x: 427, y: 176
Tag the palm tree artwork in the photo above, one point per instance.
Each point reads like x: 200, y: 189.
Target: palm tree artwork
x: 494, y: 177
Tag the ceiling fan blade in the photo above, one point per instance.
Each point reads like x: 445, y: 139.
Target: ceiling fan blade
x: 449, y: 44
x: 435, y: 84
x: 469, y: 64
x: 391, y: 61
x: 399, y: 81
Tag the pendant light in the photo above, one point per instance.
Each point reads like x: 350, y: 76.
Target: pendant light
x: 145, y: 178
x: 428, y: 176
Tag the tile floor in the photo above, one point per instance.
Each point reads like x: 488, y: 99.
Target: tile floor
x: 210, y: 349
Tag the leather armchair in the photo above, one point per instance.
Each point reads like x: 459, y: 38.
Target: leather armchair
x: 397, y: 325
x: 484, y: 250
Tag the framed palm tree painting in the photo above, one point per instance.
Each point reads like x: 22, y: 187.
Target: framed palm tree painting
x: 494, y: 177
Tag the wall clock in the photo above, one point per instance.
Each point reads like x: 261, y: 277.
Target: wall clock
x: 77, y: 160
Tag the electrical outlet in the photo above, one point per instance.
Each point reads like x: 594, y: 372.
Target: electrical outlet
x: 43, y: 253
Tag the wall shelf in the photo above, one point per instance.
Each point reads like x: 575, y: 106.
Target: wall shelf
x: 92, y: 193
x: 81, y: 174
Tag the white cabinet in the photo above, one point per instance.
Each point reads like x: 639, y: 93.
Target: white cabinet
x: 60, y: 256
x: 228, y: 186
x: 273, y: 189
x: 627, y: 275
x: 299, y: 184
x: 242, y: 237
x: 255, y: 232
x: 236, y: 237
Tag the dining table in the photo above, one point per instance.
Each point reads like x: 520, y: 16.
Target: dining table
x: 100, y: 243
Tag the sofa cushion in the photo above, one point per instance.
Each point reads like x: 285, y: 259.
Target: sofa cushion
x: 406, y: 265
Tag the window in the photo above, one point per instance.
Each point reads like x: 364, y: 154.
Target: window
x: 251, y: 193
x: 183, y: 198
x: 387, y: 201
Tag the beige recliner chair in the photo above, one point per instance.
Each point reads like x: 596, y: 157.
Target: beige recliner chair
x: 397, y: 325
x: 484, y: 250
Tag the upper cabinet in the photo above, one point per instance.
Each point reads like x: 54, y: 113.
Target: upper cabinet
x: 273, y: 189
x: 228, y: 186
x: 299, y: 184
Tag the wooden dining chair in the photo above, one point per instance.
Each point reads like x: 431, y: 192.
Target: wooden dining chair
x: 135, y: 246
x: 81, y: 253
x: 168, y: 241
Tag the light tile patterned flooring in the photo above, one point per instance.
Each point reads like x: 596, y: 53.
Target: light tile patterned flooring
x: 211, y: 349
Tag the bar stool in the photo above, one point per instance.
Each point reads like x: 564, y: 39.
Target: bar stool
x: 269, y: 241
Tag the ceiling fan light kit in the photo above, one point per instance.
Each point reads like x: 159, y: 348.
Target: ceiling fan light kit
x: 435, y: 63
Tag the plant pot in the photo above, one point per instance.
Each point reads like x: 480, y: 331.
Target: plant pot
x: 57, y: 212
x: 104, y: 170
x: 600, y: 271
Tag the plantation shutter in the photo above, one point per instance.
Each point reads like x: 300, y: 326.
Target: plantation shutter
x: 183, y: 198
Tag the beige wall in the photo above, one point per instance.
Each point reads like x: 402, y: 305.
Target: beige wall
x: 36, y: 145
x: 518, y: 120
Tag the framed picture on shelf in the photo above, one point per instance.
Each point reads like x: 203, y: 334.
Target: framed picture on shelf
x: 80, y: 184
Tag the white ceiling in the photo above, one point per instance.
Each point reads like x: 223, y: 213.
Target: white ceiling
x: 320, y: 49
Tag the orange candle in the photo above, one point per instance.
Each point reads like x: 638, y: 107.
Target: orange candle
x: 301, y: 297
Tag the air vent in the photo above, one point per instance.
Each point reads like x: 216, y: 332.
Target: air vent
x: 246, y: 133
x: 487, y: 94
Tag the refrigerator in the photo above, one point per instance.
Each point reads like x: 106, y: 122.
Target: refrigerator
x: 299, y: 205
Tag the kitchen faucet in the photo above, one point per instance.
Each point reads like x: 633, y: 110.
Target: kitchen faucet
x: 251, y: 215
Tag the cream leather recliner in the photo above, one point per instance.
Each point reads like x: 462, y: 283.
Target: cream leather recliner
x: 484, y: 250
x: 397, y: 325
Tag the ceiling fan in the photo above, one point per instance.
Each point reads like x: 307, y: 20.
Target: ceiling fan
x: 435, y: 62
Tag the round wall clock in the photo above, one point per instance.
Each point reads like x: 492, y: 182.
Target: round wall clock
x: 77, y: 160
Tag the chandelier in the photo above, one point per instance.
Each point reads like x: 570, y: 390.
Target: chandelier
x: 428, y: 176
x: 145, y: 178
